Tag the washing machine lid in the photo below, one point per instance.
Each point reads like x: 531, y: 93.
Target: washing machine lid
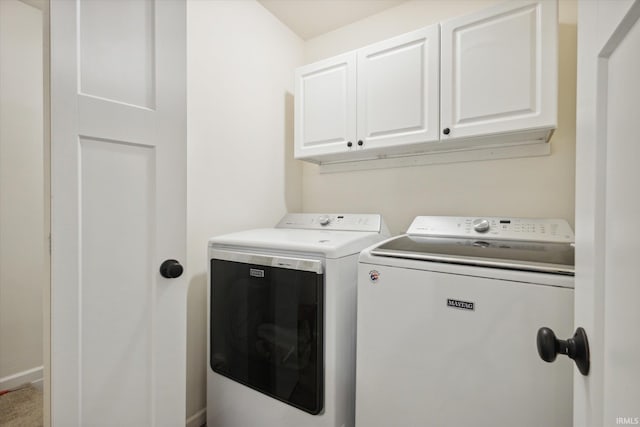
x: 547, y: 257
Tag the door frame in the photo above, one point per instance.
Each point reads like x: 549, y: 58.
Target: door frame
x: 46, y: 297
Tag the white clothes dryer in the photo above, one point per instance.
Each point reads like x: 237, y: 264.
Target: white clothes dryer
x: 282, y: 321
x: 447, y: 321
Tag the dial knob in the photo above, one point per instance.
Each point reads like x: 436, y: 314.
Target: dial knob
x: 481, y: 225
x: 324, y: 220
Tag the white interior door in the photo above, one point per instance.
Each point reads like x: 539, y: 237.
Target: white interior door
x: 607, y: 212
x: 118, y: 131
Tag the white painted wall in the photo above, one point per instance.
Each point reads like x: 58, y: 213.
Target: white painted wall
x: 22, y: 216
x: 536, y: 187
x: 241, y: 172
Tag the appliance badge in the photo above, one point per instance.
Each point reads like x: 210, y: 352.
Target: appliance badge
x: 463, y: 305
x: 254, y: 272
x: 374, y: 276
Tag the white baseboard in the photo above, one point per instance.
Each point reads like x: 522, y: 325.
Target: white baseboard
x: 39, y: 384
x: 28, y: 376
x: 198, y: 419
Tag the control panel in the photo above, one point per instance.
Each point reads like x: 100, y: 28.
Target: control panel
x: 339, y: 222
x: 525, y: 229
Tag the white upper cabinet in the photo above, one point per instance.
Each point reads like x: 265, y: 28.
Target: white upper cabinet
x: 398, y: 86
x: 381, y: 99
x: 487, y: 79
x: 325, y: 107
x: 499, y: 71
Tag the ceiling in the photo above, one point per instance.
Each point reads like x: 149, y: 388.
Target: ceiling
x: 310, y: 18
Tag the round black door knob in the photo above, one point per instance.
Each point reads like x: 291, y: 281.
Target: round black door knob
x: 360, y: 143
x: 577, y: 348
x: 349, y: 144
x: 171, y: 269
x: 446, y: 131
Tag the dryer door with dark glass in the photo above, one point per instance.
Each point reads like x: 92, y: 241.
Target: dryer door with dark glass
x: 266, y: 326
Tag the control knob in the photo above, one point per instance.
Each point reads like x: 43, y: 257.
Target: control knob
x: 481, y: 225
x: 324, y: 220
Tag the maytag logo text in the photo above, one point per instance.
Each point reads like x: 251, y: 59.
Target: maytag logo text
x: 463, y: 305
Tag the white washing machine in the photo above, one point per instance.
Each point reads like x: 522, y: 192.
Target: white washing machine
x: 282, y: 321
x: 447, y: 321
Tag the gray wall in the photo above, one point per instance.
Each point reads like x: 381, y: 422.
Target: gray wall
x: 22, y: 199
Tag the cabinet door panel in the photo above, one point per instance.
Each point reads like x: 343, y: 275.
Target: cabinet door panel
x: 499, y: 70
x: 325, y: 107
x: 398, y: 90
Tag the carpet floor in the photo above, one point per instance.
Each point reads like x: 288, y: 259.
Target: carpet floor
x: 21, y: 408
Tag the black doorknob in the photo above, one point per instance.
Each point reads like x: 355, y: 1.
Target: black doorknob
x: 360, y: 143
x: 349, y: 144
x: 446, y: 131
x: 171, y: 269
x: 577, y: 348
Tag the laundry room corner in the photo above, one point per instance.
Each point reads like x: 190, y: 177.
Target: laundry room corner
x: 241, y: 172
